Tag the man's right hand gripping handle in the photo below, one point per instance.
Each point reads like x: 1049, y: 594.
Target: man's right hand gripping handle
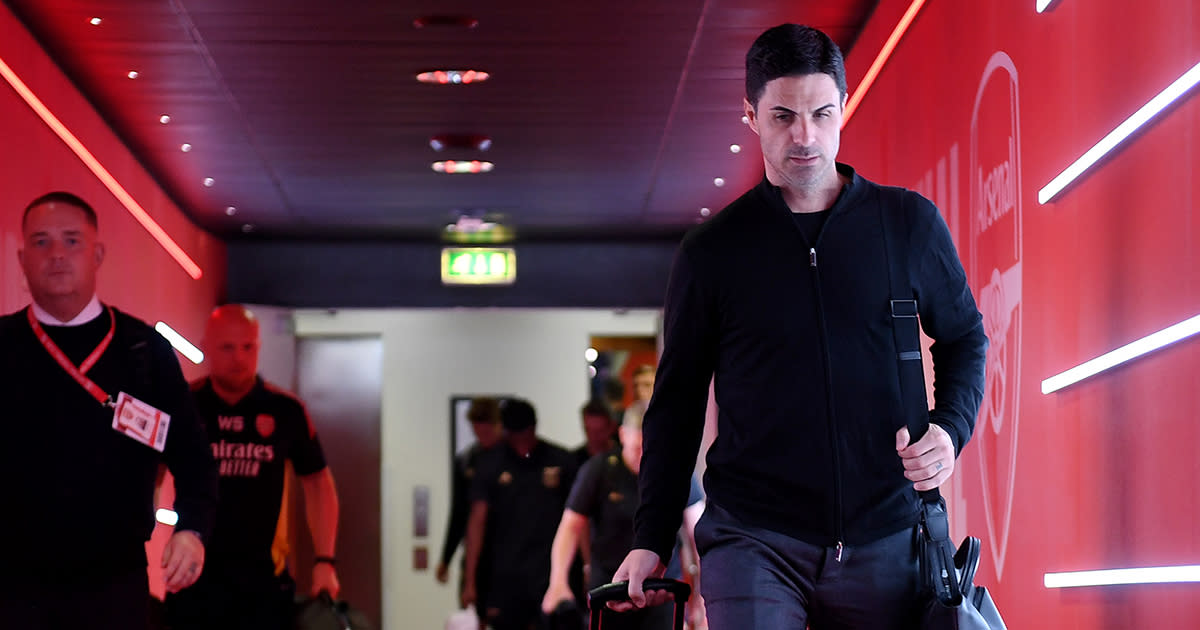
x: 639, y: 565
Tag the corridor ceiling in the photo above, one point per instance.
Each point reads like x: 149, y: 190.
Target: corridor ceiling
x: 610, y: 120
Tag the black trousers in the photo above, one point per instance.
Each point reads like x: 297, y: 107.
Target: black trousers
x: 757, y: 579
x: 110, y: 602
x: 213, y: 603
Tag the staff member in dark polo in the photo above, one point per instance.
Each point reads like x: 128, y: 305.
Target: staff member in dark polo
x: 484, y: 415
x: 93, y: 402
x: 517, y: 498
x: 600, y: 513
x: 255, y: 430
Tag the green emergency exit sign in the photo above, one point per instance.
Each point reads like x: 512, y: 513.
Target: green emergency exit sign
x: 479, y: 265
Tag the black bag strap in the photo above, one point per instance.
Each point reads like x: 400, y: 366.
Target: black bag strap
x: 906, y: 328
x: 937, y: 551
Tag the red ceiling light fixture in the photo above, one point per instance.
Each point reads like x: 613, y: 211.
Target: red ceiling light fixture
x: 453, y: 77
x: 450, y: 21
x: 465, y: 141
x: 459, y: 167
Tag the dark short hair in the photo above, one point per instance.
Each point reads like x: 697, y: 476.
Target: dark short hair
x: 790, y: 50
x: 59, y: 196
x: 517, y: 415
x: 644, y: 368
x: 597, y: 407
x: 484, y: 410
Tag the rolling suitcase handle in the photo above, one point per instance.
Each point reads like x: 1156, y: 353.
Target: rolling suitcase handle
x: 619, y: 591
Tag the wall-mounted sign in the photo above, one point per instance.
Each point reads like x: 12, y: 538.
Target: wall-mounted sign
x: 479, y: 265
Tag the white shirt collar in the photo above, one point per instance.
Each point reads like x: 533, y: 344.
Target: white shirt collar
x: 89, y: 312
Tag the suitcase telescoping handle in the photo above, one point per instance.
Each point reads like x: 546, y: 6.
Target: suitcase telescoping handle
x: 619, y: 591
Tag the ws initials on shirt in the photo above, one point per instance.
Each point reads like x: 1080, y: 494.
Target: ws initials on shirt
x: 241, y: 459
x: 236, y: 424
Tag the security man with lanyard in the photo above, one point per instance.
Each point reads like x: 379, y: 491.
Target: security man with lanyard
x: 255, y: 429
x: 94, y: 402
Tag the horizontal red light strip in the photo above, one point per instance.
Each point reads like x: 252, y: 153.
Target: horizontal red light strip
x: 100, y: 172
x: 884, y: 54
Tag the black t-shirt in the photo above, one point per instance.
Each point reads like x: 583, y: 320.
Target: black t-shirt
x: 606, y: 492
x: 252, y: 442
x: 525, y: 498
x: 810, y: 224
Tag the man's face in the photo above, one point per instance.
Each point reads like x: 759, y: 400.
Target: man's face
x: 798, y: 121
x: 487, y: 433
x: 60, y: 254
x: 231, y: 351
x: 643, y: 386
x: 598, y: 428
x: 631, y: 447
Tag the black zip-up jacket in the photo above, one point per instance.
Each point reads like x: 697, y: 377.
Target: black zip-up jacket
x: 799, y: 338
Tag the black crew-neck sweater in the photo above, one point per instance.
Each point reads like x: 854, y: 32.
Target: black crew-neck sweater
x: 797, y: 333
x: 80, y: 499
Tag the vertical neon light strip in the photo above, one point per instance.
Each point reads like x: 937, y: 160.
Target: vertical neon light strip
x: 1115, y: 137
x: 877, y: 66
x: 180, y: 343
x: 1107, y: 577
x: 100, y: 172
x: 1127, y: 352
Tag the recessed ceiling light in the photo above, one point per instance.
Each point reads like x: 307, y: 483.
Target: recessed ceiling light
x: 95, y: 21
x: 471, y: 141
x: 735, y: 148
x: 453, y: 21
x: 463, y: 166
x: 164, y: 119
x: 453, y: 77
x: 719, y: 181
x: 133, y: 74
x: 185, y: 147
x: 230, y: 210
x: 208, y: 181
x: 704, y: 212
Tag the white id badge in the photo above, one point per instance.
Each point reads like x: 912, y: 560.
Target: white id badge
x: 141, y: 422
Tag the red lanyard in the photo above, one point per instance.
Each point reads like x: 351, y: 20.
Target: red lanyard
x: 78, y: 372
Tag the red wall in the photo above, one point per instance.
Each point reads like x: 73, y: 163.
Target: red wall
x: 1102, y: 474
x: 137, y: 275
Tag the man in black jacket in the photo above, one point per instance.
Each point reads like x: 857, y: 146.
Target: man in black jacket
x: 812, y: 483
x: 82, y: 384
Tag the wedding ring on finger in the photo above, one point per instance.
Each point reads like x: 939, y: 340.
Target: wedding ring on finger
x: 937, y: 466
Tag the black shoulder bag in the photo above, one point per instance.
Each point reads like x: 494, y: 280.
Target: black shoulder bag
x: 952, y: 601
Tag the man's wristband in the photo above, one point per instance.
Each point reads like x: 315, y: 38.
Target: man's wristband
x: 330, y: 560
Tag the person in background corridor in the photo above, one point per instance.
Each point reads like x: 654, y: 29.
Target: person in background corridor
x: 484, y: 415
x: 599, y: 431
x: 255, y: 430
x: 599, y: 517
x: 517, y: 498
x: 643, y: 382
